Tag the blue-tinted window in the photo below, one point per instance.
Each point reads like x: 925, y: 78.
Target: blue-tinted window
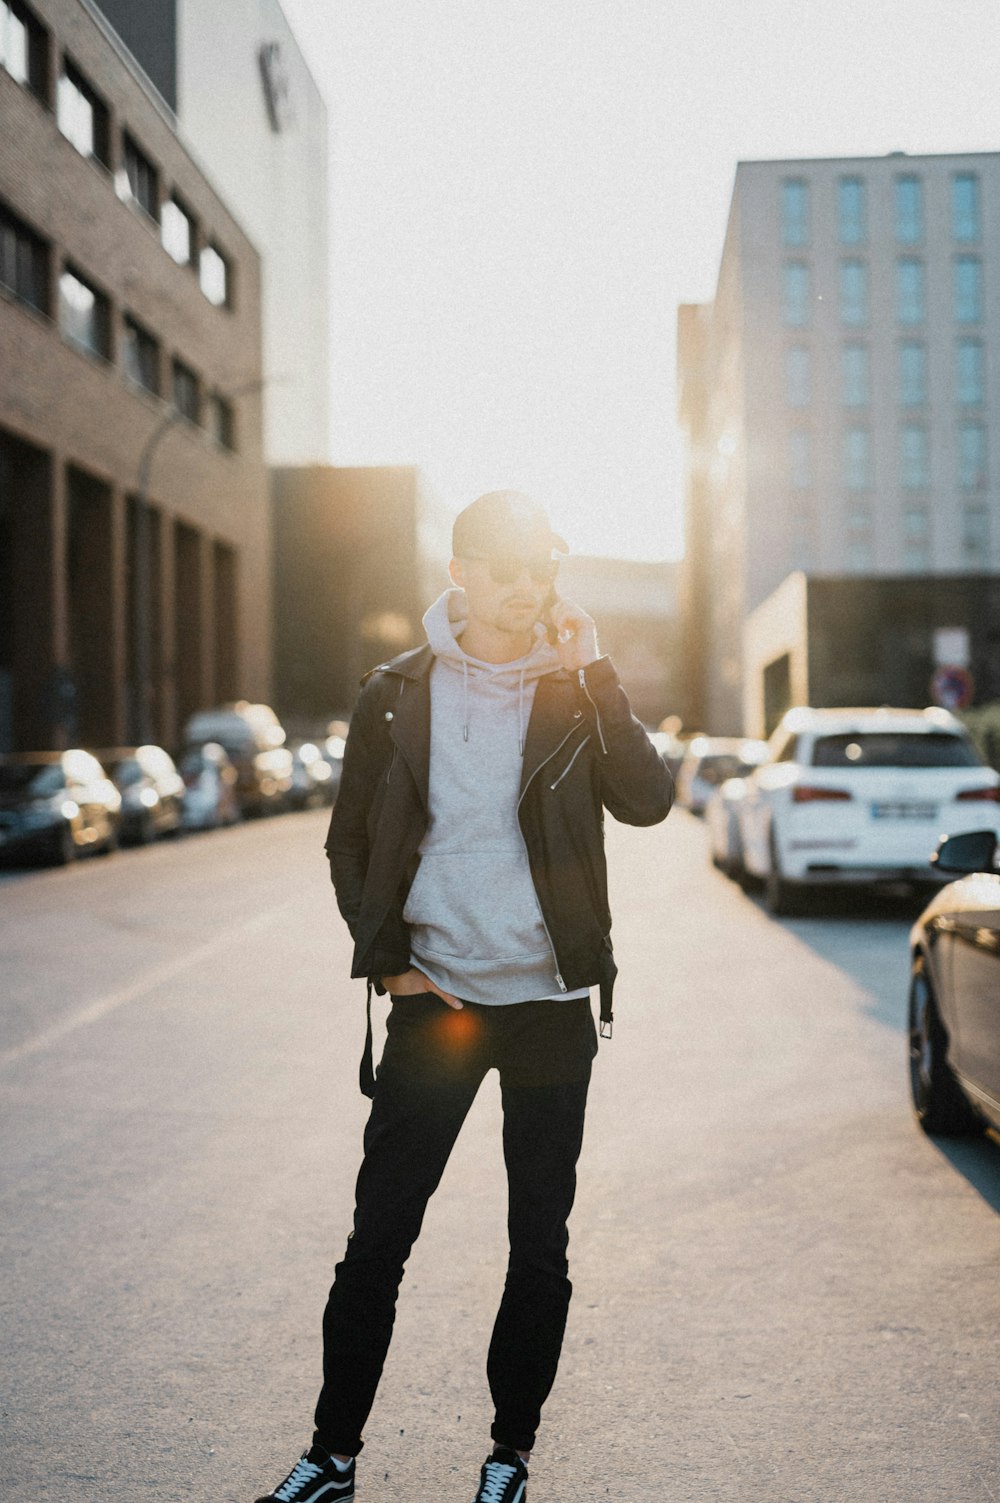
x: 913, y: 461
x: 798, y: 377
x: 857, y: 459
x: 912, y: 373
x: 795, y: 211
x: 909, y: 210
x: 910, y: 290
x: 968, y: 289
x: 796, y: 293
x: 853, y: 293
x: 855, y: 376
x: 965, y: 206
x: 851, y: 210
x: 800, y: 460
x: 976, y: 534
x: 969, y: 372
x: 972, y: 456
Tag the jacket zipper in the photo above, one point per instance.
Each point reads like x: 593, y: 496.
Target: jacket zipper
x: 555, y: 959
x: 569, y: 764
x: 597, y: 713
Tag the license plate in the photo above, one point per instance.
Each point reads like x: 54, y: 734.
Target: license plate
x: 898, y: 809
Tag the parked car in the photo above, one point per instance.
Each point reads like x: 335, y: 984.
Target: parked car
x: 954, y: 1011
x: 255, y: 741
x: 55, y: 806
x: 709, y: 761
x: 151, y: 788
x: 312, y: 777
x: 209, y: 788
x: 722, y: 817
x: 860, y: 796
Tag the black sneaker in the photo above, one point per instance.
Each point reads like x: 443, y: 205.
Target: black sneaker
x: 504, y: 1478
x: 315, y: 1478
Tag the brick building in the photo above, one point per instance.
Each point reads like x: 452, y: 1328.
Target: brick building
x: 134, y: 513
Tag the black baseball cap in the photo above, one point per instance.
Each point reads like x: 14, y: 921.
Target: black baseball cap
x: 504, y: 523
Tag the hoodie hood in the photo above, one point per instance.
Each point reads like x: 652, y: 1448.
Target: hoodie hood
x: 444, y: 622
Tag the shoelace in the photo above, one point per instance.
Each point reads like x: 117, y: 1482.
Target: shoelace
x: 304, y: 1471
x: 498, y: 1474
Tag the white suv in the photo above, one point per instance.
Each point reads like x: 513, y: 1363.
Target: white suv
x: 860, y: 796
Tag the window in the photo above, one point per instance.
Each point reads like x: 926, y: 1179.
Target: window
x: 84, y: 315
x: 910, y: 290
x: 141, y: 356
x: 909, y: 210
x: 859, y: 555
x: 975, y: 534
x: 972, y: 456
x: 965, y: 206
x: 177, y: 232
x: 82, y: 116
x: 969, y: 373
x: 798, y: 376
x: 853, y: 293
x: 23, y: 47
x: 968, y: 289
x: 855, y: 380
x: 857, y: 459
x: 913, y: 457
x: 915, y: 524
x: 213, y: 276
x: 795, y: 211
x: 24, y: 262
x: 220, y: 421
x: 851, y: 210
x: 137, y: 179
x: 799, y: 460
x: 912, y: 373
x: 894, y: 749
x: 187, y: 397
x: 796, y: 294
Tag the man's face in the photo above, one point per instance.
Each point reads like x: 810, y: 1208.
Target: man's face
x: 506, y: 593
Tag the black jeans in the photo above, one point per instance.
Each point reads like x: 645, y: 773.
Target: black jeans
x: 434, y: 1061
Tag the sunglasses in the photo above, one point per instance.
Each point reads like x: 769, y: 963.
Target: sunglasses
x: 506, y: 568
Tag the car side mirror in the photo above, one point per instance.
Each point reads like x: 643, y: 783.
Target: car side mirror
x: 974, y: 851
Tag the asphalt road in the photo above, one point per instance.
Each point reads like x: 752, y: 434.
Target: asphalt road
x: 783, y: 1291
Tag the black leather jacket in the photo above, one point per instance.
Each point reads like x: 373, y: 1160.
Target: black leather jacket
x: 584, y: 752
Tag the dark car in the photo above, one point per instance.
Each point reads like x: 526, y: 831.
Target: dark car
x: 151, y: 788
x: 955, y: 992
x: 55, y: 806
x: 255, y: 741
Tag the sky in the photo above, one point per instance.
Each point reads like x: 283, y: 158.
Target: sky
x: 523, y: 191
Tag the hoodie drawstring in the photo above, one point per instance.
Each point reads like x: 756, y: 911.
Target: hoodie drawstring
x: 465, y: 700
x: 520, y: 713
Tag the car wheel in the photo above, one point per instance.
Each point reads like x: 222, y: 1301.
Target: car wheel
x: 939, y: 1102
x: 63, y: 848
x: 781, y: 897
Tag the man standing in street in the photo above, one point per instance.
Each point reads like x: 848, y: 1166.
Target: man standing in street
x: 467, y: 854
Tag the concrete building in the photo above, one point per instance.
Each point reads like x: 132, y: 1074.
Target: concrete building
x: 235, y: 83
x: 349, y: 580
x: 134, y: 517
x: 839, y: 392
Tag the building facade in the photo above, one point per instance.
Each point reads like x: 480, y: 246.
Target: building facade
x: 258, y: 127
x: 134, y: 511
x: 839, y: 394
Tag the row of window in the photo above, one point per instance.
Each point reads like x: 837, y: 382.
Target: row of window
x: 85, y: 120
x: 85, y: 320
x: 908, y: 209
x: 916, y: 538
x: 856, y: 466
x: 910, y: 292
x: 911, y: 374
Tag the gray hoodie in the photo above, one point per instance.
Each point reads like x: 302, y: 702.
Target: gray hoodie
x: 475, y: 925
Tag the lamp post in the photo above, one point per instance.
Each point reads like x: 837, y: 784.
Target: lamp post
x: 141, y: 711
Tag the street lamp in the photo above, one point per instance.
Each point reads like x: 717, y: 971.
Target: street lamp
x: 141, y: 713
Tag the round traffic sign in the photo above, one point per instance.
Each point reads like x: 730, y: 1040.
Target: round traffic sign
x: 951, y: 687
